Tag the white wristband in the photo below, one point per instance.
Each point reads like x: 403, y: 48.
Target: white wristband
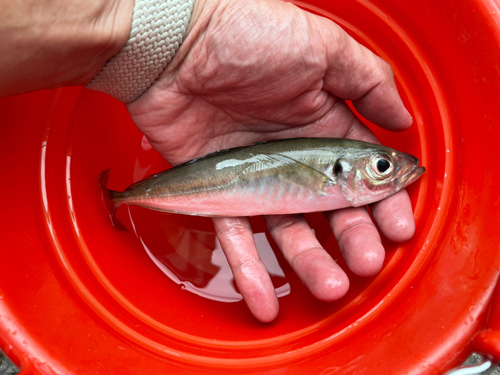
x: 158, y: 29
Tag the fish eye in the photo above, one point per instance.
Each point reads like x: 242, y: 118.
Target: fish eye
x: 381, y: 166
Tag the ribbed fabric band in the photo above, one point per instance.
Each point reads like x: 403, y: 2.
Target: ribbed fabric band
x: 158, y: 29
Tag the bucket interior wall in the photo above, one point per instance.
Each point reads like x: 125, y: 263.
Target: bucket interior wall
x: 78, y: 296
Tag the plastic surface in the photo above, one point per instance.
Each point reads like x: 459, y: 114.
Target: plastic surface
x: 79, y: 297
x: 487, y: 342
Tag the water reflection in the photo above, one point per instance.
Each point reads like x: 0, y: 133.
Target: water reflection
x: 187, y: 250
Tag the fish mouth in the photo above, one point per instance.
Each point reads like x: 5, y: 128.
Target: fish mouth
x: 409, y: 177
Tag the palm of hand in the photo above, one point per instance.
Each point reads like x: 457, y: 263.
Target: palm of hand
x: 249, y: 72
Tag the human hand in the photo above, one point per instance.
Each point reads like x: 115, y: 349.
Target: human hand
x: 256, y: 70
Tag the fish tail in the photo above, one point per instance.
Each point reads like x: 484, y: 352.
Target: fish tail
x: 109, y: 197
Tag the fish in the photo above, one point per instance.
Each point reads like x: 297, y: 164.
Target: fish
x: 287, y: 176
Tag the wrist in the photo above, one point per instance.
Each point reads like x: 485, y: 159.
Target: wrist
x: 58, y: 44
x: 108, y: 32
x: 158, y: 30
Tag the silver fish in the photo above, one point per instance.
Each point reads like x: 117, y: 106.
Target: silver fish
x: 277, y: 177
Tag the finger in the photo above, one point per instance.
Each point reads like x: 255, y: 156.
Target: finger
x: 358, y: 239
x: 250, y: 274
x: 324, y: 278
x: 355, y: 73
x: 394, y: 217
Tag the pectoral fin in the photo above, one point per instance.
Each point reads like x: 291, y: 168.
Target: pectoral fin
x: 296, y: 172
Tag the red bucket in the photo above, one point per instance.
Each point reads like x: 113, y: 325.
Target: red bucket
x: 79, y: 297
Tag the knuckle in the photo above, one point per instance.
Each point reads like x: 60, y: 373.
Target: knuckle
x: 306, y: 254
x: 231, y: 229
x: 249, y: 264
x: 354, y: 229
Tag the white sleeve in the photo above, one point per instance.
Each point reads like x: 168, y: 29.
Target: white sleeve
x: 158, y: 29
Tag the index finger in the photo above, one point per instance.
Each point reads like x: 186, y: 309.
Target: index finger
x: 355, y: 73
x: 254, y: 283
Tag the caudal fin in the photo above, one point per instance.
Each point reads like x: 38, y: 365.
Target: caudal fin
x: 111, y: 204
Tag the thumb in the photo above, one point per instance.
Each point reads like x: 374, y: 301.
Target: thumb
x: 354, y: 73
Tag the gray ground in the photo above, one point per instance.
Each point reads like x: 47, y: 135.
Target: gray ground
x: 7, y: 368
x: 475, y: 358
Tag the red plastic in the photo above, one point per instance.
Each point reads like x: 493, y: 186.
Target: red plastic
x: 487, y: 342
x: 79, y: 297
